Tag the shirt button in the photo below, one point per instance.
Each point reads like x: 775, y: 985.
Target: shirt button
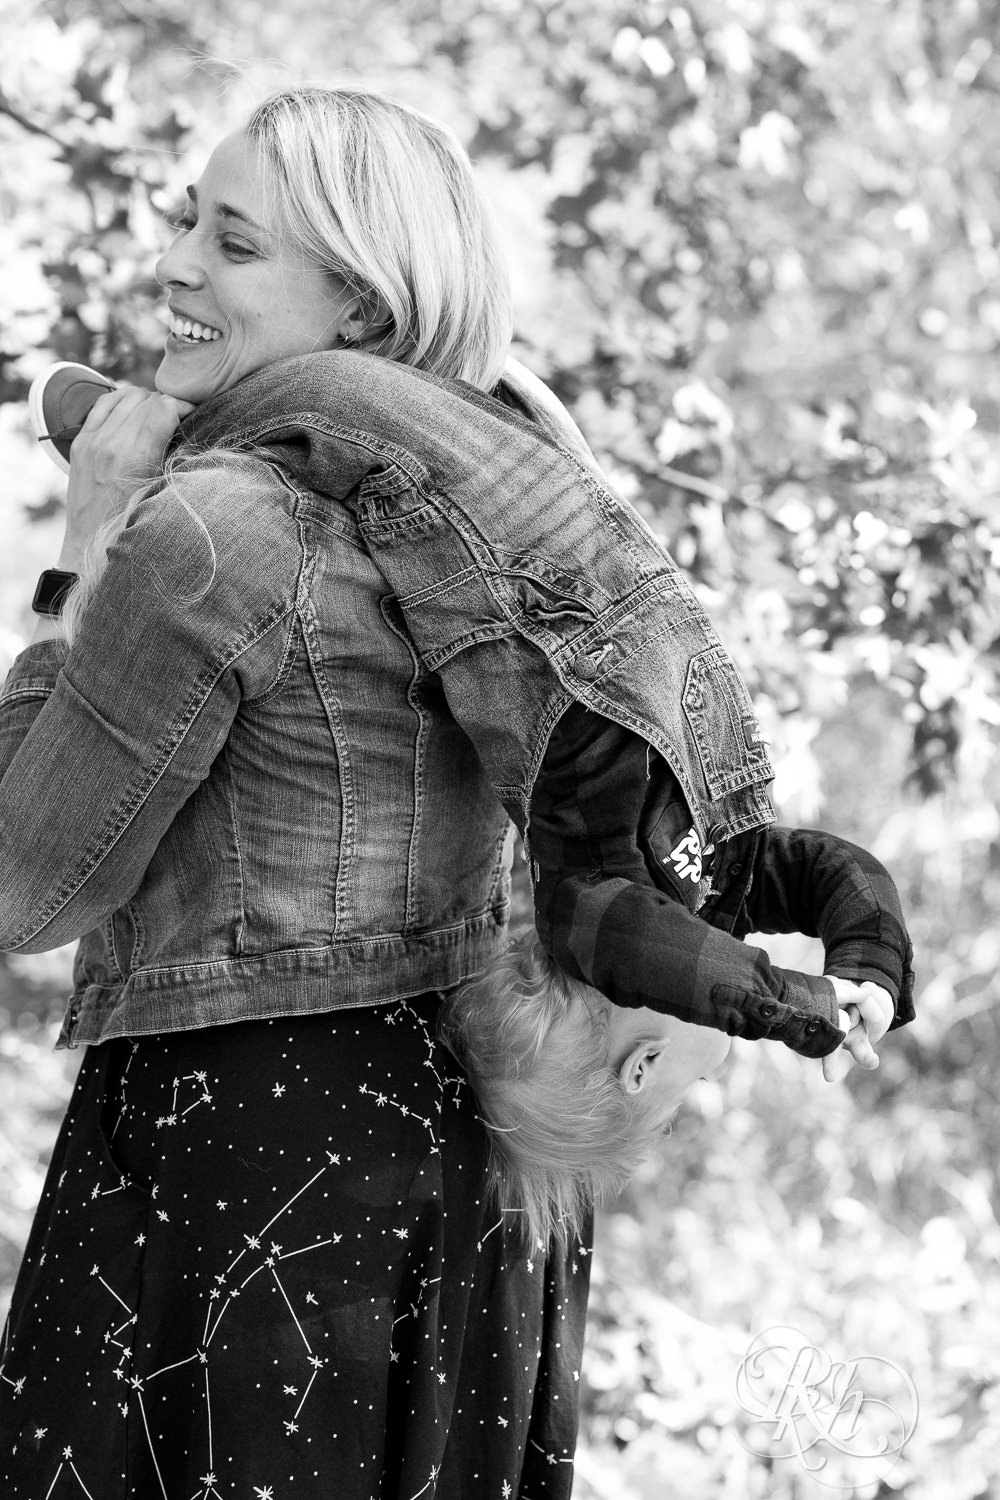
x: 811, y: 1028
x: 736, y: 869
x: 767, y: 1011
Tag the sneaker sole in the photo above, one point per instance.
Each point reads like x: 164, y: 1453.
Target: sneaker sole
x: 36, y: 404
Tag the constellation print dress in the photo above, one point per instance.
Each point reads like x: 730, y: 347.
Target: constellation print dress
x: 262, y: 1269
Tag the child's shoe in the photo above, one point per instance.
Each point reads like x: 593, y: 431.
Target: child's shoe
x: 59, y: 403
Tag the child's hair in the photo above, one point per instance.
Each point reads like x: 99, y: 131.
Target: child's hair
x: 564, y: 1131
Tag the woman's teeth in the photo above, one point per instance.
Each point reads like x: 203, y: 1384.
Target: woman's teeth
x: 183, y: 328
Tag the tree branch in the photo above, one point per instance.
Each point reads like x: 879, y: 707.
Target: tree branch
x: 6, y: 108
x: 692, y: 482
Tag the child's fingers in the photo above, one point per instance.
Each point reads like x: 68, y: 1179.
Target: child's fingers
x: 857, y: 1042
x: 876, y: 1008
x: 837, y: 1065
x: 873, y: 1002
x: 855, y: 1048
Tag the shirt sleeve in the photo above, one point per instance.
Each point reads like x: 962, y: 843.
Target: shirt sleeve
x: 812, y: 882
x: 607, y: 921
x: 102, y: 744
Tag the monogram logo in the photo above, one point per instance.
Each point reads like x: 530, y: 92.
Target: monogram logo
x: 845, y: 1422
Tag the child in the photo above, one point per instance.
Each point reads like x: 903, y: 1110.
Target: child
x: 575, y: 1089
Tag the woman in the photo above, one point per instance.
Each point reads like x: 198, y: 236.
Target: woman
x: 264, y: 786
x: 262, y: 1259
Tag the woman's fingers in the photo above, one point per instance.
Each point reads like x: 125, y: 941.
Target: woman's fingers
x: 127, y: 431
x: 115, y: 415
x: 119, y: 447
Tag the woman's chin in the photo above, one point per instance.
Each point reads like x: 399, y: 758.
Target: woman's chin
x: 170, y: 381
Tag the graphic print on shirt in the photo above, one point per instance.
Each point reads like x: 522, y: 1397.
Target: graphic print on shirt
x: 687, y: 857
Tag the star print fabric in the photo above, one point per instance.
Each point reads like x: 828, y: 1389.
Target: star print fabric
x: 262, y: 1268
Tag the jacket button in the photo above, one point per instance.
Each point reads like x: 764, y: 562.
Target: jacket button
x: 586, y: 666
x: 767, y: 1011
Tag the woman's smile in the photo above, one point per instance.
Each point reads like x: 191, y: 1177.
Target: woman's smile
x: 189, y: 332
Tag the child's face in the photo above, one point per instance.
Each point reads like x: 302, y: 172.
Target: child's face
x: 663, y: 1055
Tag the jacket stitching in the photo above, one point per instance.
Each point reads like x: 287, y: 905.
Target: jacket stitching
x: 117, y: 826
x: 343, y: 913
x: 412, y: 915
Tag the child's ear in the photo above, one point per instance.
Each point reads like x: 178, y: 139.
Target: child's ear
x: 639, y: 1068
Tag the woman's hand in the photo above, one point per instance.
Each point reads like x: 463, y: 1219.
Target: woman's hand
x: 119, y: 447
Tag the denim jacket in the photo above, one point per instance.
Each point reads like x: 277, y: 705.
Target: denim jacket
x: 521, y: 579
x: 264, y: 781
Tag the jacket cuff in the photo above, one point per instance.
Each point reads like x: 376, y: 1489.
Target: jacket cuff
x: 36, y: 668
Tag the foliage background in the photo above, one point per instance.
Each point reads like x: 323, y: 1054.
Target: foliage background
x: 755, y: 248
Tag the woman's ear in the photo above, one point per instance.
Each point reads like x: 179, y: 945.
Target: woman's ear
x: 638, y: 1070
x: 365, y: 320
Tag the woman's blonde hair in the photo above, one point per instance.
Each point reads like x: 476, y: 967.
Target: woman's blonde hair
x: 535, y: 1047
x: 384, y: 197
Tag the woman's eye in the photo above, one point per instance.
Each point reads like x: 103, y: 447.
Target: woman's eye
x: 180, y: 219
x: 237, y: 251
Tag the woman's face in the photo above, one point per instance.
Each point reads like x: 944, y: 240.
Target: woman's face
x: 240, y: 295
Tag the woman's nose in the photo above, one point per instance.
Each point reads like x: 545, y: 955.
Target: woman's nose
x: 179, y: 264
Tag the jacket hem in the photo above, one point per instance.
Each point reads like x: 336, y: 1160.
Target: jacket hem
x: 287, y: 982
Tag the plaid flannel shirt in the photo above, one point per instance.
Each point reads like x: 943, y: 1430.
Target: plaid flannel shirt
x: 626, y: 900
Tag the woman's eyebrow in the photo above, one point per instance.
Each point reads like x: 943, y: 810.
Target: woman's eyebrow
x: 226, y: 210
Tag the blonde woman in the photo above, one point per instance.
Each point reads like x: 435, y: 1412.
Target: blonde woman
x: 261, y: 764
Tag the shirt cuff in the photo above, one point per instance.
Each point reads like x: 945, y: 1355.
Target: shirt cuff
x: 805, y: 1016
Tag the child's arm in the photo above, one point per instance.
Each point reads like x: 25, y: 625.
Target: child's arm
x: 813, y: 882
x: 606, y: 920
x: 598, y: 817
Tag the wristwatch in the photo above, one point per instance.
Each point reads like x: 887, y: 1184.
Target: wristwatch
x: 51, y: 591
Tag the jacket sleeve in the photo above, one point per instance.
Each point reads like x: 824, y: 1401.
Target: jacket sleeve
x: 812, y: 882
x: 605, y: 920
x: 102, y: 744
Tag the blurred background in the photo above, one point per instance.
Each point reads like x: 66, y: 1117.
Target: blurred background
x: 754, y: 246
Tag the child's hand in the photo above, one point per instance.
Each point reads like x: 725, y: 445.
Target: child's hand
x: 866, y: 1013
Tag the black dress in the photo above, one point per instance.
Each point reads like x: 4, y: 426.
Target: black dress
x: 262, y: 1268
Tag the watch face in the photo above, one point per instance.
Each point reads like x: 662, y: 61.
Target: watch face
x: 51, y: 591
